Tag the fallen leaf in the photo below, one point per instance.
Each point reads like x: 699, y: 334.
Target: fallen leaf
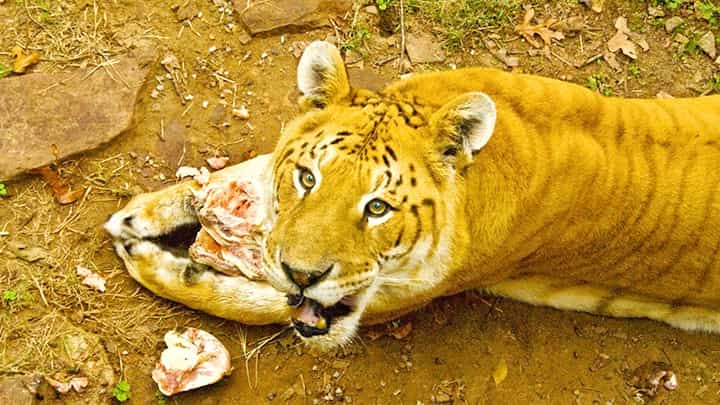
x: 542, y: 29
x: 401, y: 332
x: 90, y: 278
x: 23, y: 61
x: 570, y: 25
x: 594, y: 5
x: 217, y: 163
x: 500, y: 373
x: 78, y: 384
x: 28, y: 254
x: 611, y: 60
x: 63, y: 193
x: 621, y: 41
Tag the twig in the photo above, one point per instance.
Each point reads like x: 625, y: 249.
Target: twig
x: 386, y: 60
x: 402, y: 35
x: 563, y: 60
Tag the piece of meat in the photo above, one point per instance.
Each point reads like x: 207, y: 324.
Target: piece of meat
x: 192, y: 360
x: 232, y: 210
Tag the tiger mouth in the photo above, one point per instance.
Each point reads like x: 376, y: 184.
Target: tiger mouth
x: 310, y: 318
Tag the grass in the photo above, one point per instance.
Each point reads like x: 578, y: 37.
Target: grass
x: 634, y: 70
x: 355, y: 41
x: 460, y: 19
x: 715, y: 83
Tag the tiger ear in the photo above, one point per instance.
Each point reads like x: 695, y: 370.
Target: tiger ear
x: 321, y: 76
x: 463, y: 126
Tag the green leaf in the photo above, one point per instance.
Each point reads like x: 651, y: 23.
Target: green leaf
x: 4, y: 71
x: 121, y: 392
x: 10, y: 296
x: 3, y: 190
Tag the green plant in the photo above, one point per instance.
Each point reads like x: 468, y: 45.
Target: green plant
x: 708, y: 12
x: 3, y: 187
x: 161, y: 398
x: 669, y: 4
x: 634, y: 70
x: 10, y: 296
x: 4, y: 71
x: 121, y: 392
x: 715, y: 83
x: 598, y: 84
x: 692, y: 46
x: 382, y: 5
x: 355, y: 41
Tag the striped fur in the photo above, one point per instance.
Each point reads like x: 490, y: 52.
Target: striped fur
x: 578, y: 201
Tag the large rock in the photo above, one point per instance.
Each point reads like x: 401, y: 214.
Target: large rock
x: 273, y: 15
x: 50, y: 116
x: 422, y: 48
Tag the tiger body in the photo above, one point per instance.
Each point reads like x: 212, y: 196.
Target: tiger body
x: 523, y: 186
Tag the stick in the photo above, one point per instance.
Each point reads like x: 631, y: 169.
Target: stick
x: 402, y: 35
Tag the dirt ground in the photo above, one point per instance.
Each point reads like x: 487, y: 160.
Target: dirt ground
x: 455, y: 349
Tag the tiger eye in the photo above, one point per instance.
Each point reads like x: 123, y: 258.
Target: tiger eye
x: 377, y: 208
x: 307, y: 179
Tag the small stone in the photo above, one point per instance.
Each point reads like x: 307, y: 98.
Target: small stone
x: 371, y: 10
x: 241, y: 113
x: 672, y: 23
x: 681, y: 39
x: 288, y: 394
x: 707, y: 44
x: 244, y: 37
x: 205, y: 104
x: 212, y: 49
x: 655, y: 11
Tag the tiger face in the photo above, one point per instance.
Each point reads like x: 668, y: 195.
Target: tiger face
x: 364, y: 186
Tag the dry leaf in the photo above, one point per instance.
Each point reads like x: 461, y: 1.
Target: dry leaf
x: 76, y: 383
x: 62, y: 191
x: 500, y: 372
x: 542, y: 29
x: 217, y: 163
x: 595, y: 5
x: 611, y: 60
x: 401, y: 332
x: 23, y: 61
x: 90, y: 278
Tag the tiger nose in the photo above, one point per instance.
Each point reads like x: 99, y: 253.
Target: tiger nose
x: 304, y: 278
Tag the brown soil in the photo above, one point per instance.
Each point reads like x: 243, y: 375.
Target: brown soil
x: 454, y: 346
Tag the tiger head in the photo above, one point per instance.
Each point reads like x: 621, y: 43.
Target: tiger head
x: 365, y: 191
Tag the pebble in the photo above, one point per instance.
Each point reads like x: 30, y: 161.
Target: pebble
x: 241, y: 113
x: 205, y: 104
x: 672, y: 23
x: 212, y: 49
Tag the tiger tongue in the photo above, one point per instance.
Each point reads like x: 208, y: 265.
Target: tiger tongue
x: 309, y: 313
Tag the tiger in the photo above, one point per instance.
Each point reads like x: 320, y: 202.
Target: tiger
x: 521, y: 186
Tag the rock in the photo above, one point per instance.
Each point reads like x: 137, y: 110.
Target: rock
x: 371, y: 10
x: 244, y: 37
x: 655, y: 11
x: 262, y: 16
x: 187, y: 11
x: 422, y: 48
x: 672, y: 23
x: 17, y: 390
x: 41, y: 126
x: 367, y: 79
x: 707, y: 44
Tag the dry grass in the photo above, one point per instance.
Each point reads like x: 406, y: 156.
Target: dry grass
x: 66, y: 33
